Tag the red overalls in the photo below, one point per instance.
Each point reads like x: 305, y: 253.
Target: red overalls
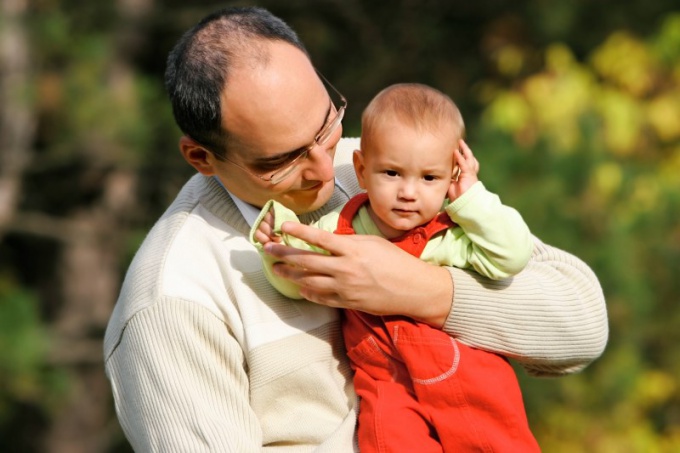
x: 421, y: 390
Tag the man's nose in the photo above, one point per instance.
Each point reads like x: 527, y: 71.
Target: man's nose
x: 318, y: 166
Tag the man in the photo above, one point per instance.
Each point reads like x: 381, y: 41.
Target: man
x: 204, y: 355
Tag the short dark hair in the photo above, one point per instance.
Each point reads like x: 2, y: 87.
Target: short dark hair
x: 199, y: 64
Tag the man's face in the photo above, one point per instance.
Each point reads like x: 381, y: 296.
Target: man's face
x: 407, y: 174
x: 274, y: 110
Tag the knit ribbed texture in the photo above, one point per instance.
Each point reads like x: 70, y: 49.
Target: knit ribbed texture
x: 551, y: 316
x: 154, y: 371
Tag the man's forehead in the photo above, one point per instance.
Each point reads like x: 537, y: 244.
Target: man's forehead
x: 274, y: 113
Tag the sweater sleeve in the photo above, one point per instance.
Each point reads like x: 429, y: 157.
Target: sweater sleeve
x: 180, y: 383
x: 551, y: 317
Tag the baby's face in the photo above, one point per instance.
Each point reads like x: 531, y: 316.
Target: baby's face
x: 407, y: 174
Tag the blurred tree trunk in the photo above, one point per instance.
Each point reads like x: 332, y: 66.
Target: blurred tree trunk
x: 17, y: 119
x: 93, y: 245
x: 89, y: 271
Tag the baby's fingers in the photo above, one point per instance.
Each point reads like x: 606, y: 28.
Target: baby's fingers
x: 261, y: 237
x: 265, y: 230
x: 466, y: 159
x: 465, y: 150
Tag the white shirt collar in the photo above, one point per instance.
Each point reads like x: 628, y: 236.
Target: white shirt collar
x: 248, y: 211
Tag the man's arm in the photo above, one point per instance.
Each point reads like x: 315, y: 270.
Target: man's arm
x: 551, y: 317
x: 179, y: 383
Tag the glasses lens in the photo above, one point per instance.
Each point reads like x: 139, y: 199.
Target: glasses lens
x: 284, y: 172
x: 323, y: 138
x: 327, y: 133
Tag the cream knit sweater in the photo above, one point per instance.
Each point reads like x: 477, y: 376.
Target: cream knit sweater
x: 204, y: 355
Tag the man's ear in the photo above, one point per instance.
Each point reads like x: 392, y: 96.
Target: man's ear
x: 197, y: 156
x: 358, y: 161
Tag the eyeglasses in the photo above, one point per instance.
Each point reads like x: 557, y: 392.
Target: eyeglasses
x: 321, y: 139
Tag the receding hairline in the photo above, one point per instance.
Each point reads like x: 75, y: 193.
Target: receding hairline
x: 246, y: 51
x: 201, y: 64
x: 243, y: 47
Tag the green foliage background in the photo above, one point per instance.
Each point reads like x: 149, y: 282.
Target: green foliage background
x: 572, y: 108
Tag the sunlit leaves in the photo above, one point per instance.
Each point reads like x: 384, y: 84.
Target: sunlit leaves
x: 625, y: 62
x: 614, y: 115
x: 606, y: 180
x: 663, y: 115
x: 509, y: 112
x: 631, y: 90
x: 622, y: 120
x: 666, y: 44
x: 549, y: 103
x: 510, y: 60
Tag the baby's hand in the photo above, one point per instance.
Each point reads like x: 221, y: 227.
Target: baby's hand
x: 265, y: 230
x: 465, y: 171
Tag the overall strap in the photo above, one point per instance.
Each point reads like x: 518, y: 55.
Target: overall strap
x: 348, y: 212
x: 413, y: 241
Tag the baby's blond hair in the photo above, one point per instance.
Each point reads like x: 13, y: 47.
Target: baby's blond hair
x: 413, y: 105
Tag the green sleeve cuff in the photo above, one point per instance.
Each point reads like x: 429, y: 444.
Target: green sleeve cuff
x: 281, y: 214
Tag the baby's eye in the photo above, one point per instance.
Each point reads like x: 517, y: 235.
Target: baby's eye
x: 391, y: 173
x: 430, y: 178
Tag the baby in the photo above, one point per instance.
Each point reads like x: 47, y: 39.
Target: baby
x: 421, y: 390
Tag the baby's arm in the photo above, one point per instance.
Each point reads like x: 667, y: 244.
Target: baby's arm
x: 490, y: 237
x: 267, y: 228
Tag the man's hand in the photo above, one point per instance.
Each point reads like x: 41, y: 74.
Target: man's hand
x: 365, y: 273
x: 464, y: 172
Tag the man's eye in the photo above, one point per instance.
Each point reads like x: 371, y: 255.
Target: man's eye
x: 271, y: 165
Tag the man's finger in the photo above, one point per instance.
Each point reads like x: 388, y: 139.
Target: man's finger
x: 297, y: 265
x: 315, y: 236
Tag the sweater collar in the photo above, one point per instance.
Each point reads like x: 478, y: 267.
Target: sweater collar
x: 250, y: 212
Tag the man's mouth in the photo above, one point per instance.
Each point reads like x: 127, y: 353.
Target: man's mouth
x: 313, y: 187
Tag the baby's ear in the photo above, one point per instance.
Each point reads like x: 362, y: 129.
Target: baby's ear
x: 359, y: 167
